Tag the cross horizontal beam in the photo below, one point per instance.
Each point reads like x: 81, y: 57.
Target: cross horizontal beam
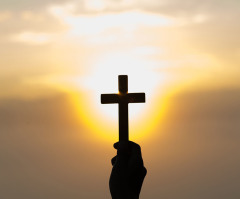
x: 120, y: 98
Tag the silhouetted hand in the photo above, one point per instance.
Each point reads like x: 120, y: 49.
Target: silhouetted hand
x: 128, y: 171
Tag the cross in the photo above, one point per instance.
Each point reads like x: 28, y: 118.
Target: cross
x: 123, y: 98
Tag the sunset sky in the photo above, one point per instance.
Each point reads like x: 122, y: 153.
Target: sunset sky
x: 57, y: 57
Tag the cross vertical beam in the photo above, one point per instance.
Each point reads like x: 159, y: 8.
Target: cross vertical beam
x: 123, y: 84
x: 123, y: 108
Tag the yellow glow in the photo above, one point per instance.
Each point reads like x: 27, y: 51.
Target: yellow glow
x: 103, y: 119
x: 106, y: 128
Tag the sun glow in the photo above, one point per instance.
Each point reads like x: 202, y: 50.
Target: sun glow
x: 103, y: 119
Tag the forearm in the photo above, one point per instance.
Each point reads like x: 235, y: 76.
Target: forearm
x: 125, y: 197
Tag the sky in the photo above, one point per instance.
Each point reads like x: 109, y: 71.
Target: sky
x: 57, y: 57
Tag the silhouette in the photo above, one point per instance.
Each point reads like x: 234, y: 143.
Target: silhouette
x: 123, y: 98
x: 128, y: 171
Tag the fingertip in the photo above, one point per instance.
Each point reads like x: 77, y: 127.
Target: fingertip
x: 135, y: 145
x: 123, y: 146
x: 115, y: 145
x: 135, y: 148
x: 127, y: 145
x: 113, y: 160
x: 144, y: 171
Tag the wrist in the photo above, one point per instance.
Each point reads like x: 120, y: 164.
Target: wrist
x: 125, y: 197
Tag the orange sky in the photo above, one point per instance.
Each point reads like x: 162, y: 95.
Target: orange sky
x: 57, y: 57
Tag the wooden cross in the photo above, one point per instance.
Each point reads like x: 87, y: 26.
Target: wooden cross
x: 123, y: 98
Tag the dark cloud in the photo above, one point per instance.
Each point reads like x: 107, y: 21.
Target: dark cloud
x: 197, y: 152
x: 28, y: 4
x: 213, y: 105
x: 172, y: 7
x: 186, y: 7
x: 46, y: 153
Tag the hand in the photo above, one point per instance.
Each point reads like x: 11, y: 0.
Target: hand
x: 128, y: 171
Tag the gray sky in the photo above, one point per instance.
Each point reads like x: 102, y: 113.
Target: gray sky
x: 194, y: 154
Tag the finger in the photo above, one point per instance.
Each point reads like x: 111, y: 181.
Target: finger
x: 135, y: 149
x: 113, y: 161
x: 135, y: 159
x: 123, y: 152
x: 116, y: 145
x: 123, y: 146
x: 144, y: 171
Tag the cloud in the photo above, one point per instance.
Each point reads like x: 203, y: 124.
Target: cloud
x: 190, y: 34
x: 32, y: 38
x: 4, y: 16
x: 97, y: 23
x: 16, y: 5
